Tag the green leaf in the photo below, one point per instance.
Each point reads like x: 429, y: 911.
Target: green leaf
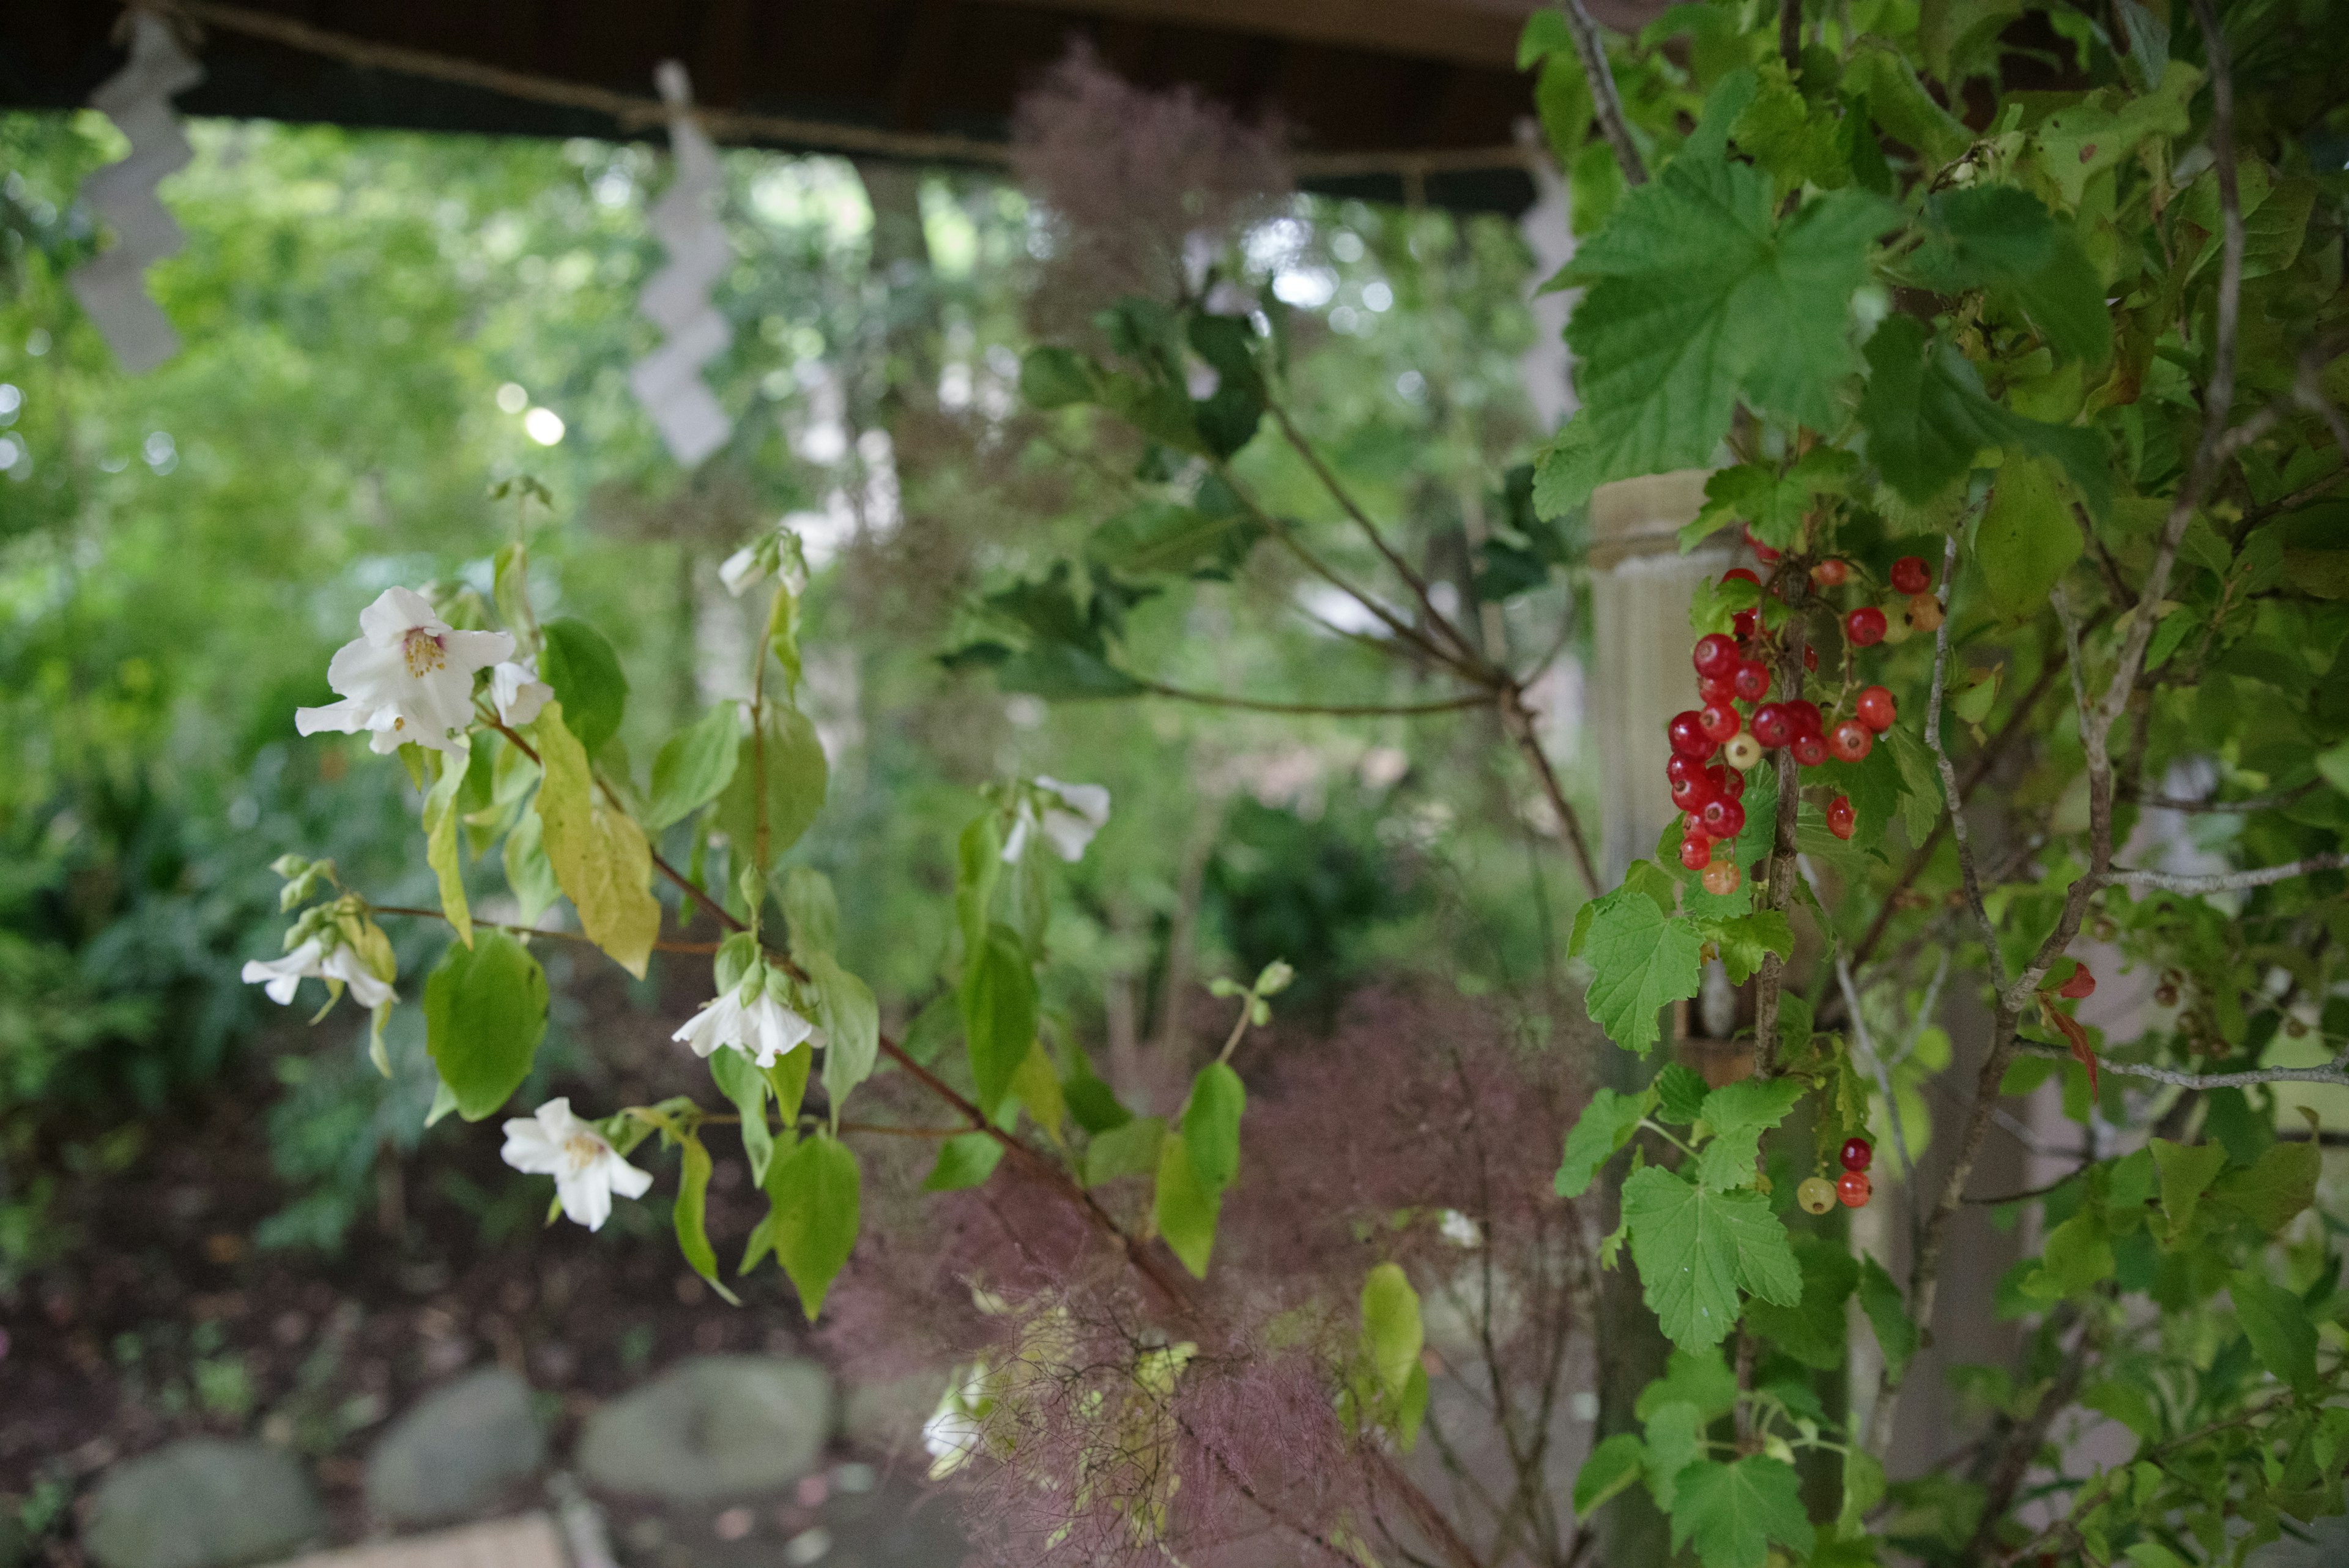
x: 1605, y: 1124
x: 1812, y: 1330
x: 1680, y: 1090
x: 963, y: 1161
x: 1211, y: 1126
x: 1038, y: 1090
x: 1896, y: 1330
x: 1186, y: 1210
x: 1700, y: 297
x: 1092, y: 1102
x: 1739, y: 1114
x: 510, y: 587
x: 2000, y: 238
x: 688, y: 1214
x: 2277, y: 1325
x: 1057, y: 378
x: 1618, y: 1461
x: 529, y: 874
x: 851, y: 1026
x: 1863, y: 1489
x: 693, y: 766
x: 2082, y: 141
x: 1921, y: 781
x: 441, y: 851
x: 1164, y: 536
x: 1926, y: 416
x: 999, y: 1012
x: 598, y: 853
x: 815, y: 1193
x: 2270, y: 1193
x: 790, y: 757
x: 1732, y: 1513
x: 788, y: 1078
x: 1130, y: 1149
x: 1393, y: 1334
x: 1675, y: 1430
x: 978, y: 861
x: 1545, y: 33
x: 1697, y: 1377
x: 1641, y: 962
x: 2026, y: 538
x: 484, y: 1015
x: 587, y: 681
x: 1696, y: 1247
x: 1744, y: 938
x: 746, y: 1087
x: 811, y: 911
x: 2186, y: 1171
x: 1901, y: 104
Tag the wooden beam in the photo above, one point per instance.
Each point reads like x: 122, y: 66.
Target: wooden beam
x: 1452, y: 30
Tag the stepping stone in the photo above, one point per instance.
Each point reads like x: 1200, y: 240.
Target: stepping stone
x: 712, y: 1426
x: 457, y: 1451
x: 202, y: 1502
x: 530, y: 1541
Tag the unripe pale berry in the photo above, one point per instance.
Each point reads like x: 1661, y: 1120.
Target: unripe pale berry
x: 1742, y: 749
x: 1817, y: 1195
x: 1720, y: 878
x: 1925, y: 613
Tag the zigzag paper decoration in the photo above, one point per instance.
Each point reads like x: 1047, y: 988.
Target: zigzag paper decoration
x: 668, y: 381
x: 112, y: 287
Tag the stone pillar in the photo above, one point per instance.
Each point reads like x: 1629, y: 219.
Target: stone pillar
x: 1639, y: 657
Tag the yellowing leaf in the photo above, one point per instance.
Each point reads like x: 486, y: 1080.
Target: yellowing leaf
x: 599, y: 854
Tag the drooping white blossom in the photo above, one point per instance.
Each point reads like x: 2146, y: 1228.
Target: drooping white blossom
x: 585, y: 1167
x: 742, y: 570
x: 409, y: 676
x: 954, y: 1432
x: 1067, y: 815
x: 1459, y: 1229
x: 279, y: 978
x: 517, y: 692
x: 764, y: 1028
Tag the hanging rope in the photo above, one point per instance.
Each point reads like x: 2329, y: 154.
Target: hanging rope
x: 633, y: 113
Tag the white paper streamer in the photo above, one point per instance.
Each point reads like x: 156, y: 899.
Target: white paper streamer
x: 668, y: 381
x: 113, y: 286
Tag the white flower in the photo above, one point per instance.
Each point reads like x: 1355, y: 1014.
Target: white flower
x: 281, y: 978
x: 517, y: 692
x: 741, y: 571
x: 766, y: 1029
x: 1459, y: 1229
x: 585, y: 1167
x: 953, y: 1432
x: 407, y: 676
x: 1067, y: 820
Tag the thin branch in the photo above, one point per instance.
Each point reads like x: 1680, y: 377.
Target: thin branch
x: 1790, y: 33
x: 1793, y: 576
x: 2226, y: 881
x: 1517, y: 719
x: 409, y: 911
x: 1950, y: 787
x: 1606, y: 102
x: 2256, y: 802
x: 1332, y: 710
x: 2335, y: 1072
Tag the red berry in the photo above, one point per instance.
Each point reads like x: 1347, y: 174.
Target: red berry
x: 1851, y: 741
x: 1910, y: 575
x: 1852, y: 1188
x: 2081, y: 983
x: 1840, y: 822
x: 1677, y: 767
x: 1720, y: 878
x: 1864, y: 626
x: 1690, y: 791
x: 1741, y: 574
x: 1806, y: 717
x: 1808, y: 749
x: 1719, y: 721
x: 1724, y: 818
x: 1811, y: 659
x: 1714, y: 655
x: 1752, y: 680
x: 1687, y: 736
x: 1858, y: 1154
x: 1696, y: 850
x: 1771, y: 725
x: 1745, y: 623
x: 1876, y: 710
x: 1715, y: 689
x: 1728, y: 782
x: 1762, y: 553
x: 1830, y: 573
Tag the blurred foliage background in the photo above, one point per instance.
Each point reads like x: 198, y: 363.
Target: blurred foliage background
x: 378, y: 328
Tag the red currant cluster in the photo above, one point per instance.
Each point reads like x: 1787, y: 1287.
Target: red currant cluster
x: 1738, y: 724
x: 1818, y: 1194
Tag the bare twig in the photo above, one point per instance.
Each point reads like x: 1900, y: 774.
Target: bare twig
x: 1950, y: 787
x: 2226, y: 881
x: 2336, y: 1071
x: 1517, y: 719
x: 1330, y: 709
x: 1790, y: 33
x: 1605, y: 100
